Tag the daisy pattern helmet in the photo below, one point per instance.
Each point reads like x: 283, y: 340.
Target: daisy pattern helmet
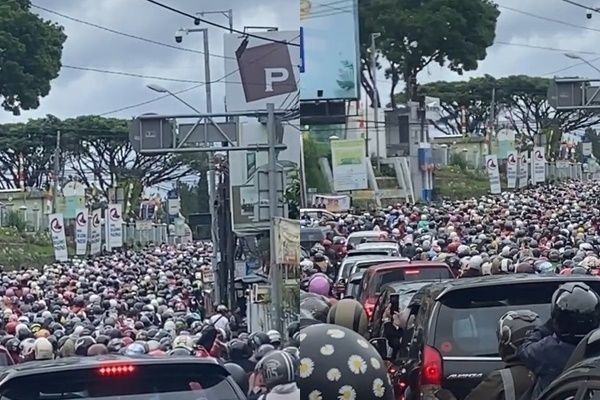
x: 337, y: 363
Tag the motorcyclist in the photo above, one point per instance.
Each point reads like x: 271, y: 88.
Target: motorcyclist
x: 514, y: 380
x: 278, y: 371
x: 575, y: 311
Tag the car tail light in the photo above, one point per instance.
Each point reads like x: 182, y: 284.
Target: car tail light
x: 412, y: 272
x: 370, y: 306
x: 116, y: 370
x: 432, y: 369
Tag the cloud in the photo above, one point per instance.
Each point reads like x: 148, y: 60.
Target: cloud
x: 77, y: 92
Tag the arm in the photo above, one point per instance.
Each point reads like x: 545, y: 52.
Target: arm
x: 531, y: 352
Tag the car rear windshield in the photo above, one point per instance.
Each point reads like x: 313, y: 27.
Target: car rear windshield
x: 412, y: 274
x: 468, y: 319
x: 164, y: 382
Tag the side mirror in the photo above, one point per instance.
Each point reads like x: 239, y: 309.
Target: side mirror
x: 382, y: 346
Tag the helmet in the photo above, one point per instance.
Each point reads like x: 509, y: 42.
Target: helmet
x: 293, y: 351
x: 350, y: 314
x: 274, y: 337
x: 180, y: 352
x: 319, y: 284
x: 43, y: 349
x: 263, y: 351
x: 97, y: 350
x: 114, y: 345
x: 238, y: 374
x: 314, y: 307
x: 339, y: 363
x: 513, y: 328
x: 277, y: 368
x: 185, y: 341
x: 135, y: 349
x: 83, y: 344
x: 238, y: 349
x: 575, y: 311
x: 257, y: 339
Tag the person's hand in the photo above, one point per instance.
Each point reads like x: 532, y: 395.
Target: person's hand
x: 396, y: 319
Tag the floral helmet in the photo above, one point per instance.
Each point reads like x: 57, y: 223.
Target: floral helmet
x: 337, y: 363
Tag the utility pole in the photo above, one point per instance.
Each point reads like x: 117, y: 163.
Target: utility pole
x: 375, y: 95
x: 492, y: 127
x: 56, y: 172
x: 275, y: 270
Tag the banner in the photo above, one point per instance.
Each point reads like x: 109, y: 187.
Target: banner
x: 287, y: 241
x: 332, y: 203
x: 511, y: 168
x: 539, y: 165
x: 96, y: 232
x: 491, y: 165
x: 81, y: 231
x: 349, y: 165
x: 523, y: 170
x: 115, y: 226
x: 59, y: 240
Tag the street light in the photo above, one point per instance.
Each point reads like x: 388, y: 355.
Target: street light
x: 160, y: 89
x: 578, y: 57
x: 375, y: 94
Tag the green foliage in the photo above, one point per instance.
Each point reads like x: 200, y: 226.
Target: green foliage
x: 452, y: 33
x: 458, y: 160
x: 194, y: 198
x: 313, y: 151
x: 15, y: 220
x: 292, y: 196
x: 31, y: 50
x: 454, y: 183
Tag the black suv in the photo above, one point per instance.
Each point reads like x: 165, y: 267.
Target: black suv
x: 450, y: 338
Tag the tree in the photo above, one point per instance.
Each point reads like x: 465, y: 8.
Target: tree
x: 415, y: 34
x: 30, y: 54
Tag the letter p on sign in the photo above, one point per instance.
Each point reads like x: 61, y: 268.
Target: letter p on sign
x: 275, y: 75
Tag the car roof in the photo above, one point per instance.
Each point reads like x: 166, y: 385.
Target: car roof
x: 362, y: 257
x: 77, y: 363
x: 403, y: 286
x: 377, y: 244
x: 315, y: 229
x: 407, y: 264
x: 366, y: 233
x: 384, y: 259
x: 443, y: 288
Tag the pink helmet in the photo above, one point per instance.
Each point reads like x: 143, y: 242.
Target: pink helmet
x: 319, y: 284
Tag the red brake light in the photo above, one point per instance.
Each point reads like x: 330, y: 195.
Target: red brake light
x: 432, y: 370
x: 412, y: 272
x: 116, y: 370
x: 370, y: 307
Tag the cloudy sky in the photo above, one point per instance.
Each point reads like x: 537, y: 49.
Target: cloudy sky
x: 77, y: 92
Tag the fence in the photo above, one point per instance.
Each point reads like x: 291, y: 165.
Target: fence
x: 144, y: 234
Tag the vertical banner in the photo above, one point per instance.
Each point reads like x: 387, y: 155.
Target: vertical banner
x: 81, y: 231
x: 287, y: 241
x: 523, y: 169
x: 539, y: 165
x: 59, y: 240
x: 491, y: 164
x: 96, y: 232
x: 115, y: 226
x: 511, y: 168
x: 349, y: 165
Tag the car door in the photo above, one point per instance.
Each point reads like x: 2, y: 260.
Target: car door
x: 377, y: 320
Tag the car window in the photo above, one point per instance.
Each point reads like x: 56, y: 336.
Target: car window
x: 413, y: 274
x: 347, y: 267
x: 185, y: 382
x: 467, y: 319
x: 382, y: 303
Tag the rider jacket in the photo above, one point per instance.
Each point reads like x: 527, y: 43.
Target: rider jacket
x: 509, y: 383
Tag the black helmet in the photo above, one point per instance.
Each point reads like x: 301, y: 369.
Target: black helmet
x: 238, y: 374
x: 114, y: 345
x: 350, y: 314
x: 263, y: 351
x: 277, y: 368
x: 575, y: 311
x: 513, y: 328
x: 257, y: 339
x: 339, y: 363
x: 83, y: 344
x: 314, y: 306
x: 180, y: 352
x: 238, y: 350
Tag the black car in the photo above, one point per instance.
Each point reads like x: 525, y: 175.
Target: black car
x: 450, y: 338
x: 118, y: 377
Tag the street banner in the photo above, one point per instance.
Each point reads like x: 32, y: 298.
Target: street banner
x: 81, y: 231
x: 511, y: 168
x: 523, y: 169
x: 115, y: 226
x: 287, y: 241
x: 539, y: 165
x: 491, y: 165
x: 59, y: 240
x: 333, y: 203
x: 349, y: 165
x: 96, y: 232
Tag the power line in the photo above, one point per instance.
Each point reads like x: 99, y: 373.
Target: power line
x: 160, y: 78
x: 571, y: 66
x: 190, y: 88
x: 125, y: 34
x: 530, y: 46
x: 326, y: 13
x: 581, y: 5
x: 549, y: 19
x: 196, y: 18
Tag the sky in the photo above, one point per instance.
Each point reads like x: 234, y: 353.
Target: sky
x: 77, y: 92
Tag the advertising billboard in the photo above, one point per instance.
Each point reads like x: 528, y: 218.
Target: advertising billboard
x: 331, y: 56
x: 349, y: 165
x: 262, y: 71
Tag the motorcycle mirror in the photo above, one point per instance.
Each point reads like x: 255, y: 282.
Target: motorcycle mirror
x: 382, y: 346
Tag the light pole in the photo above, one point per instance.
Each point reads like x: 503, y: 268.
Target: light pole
x: 375, y: 95
x: 578, y: 57
x: 226, y: 13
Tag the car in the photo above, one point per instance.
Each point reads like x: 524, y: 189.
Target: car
x: 357, y: 264
x: 393, y: 248
x: 310, y: 236
x: 405, y: 290
x: 450, y: 338
x: 356, y: 237
x: 317, y: 213
x: 119, y: 377
x: 370, y: 251
x: 353, y: 285
x: 378, y: 275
